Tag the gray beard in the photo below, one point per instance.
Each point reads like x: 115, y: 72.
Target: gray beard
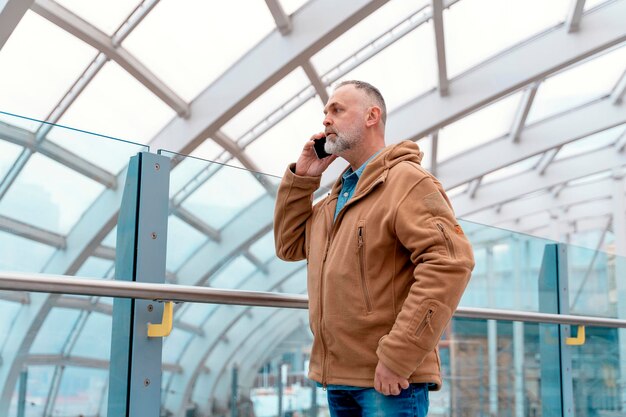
x: 343, y: 142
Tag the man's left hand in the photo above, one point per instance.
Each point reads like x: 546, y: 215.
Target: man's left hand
x: 387, y: 382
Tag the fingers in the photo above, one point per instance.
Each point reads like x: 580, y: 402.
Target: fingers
x: 394, y: 389
x: 404, y: 384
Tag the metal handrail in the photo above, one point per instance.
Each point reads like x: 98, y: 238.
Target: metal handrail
x: 60, y: 284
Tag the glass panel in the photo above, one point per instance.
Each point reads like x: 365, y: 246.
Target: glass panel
x: 592, y: 282
x: 34, y: 199
x: 10, y: 311
x: 236, y: 249
x: 502, y: 25
x: 53, y: 191
x: 508, y: 265
x: 365, y: 32
x: 290, y: 6
x: 94, y: 340
x: 288, y: 136
x: 8, y: 154
x: 105, y: 16
x: 38, y: 383
x: 182, y: 64
x: 512, y: 170
x: 278, y: 95
x: 479, y: 127
x: 96, y: 268
x: 54, y: 334
x: 174, y: 344
x: 590, y: 143
x: 138, y: 117
x: 13, y: 249
x: 38, y: 65
x: 81, y: 391
x: 578, y: 85
x: 598, y: 367
x: 410, y: 59
x: 182, y: 241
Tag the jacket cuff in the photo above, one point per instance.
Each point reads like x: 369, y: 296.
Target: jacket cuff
x: 299, y: 181
x: 402, y: 369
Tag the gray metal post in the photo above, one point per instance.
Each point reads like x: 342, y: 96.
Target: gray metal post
x: 314, y: 409
x: 21, y: 399
x: 556, y: 364
x: 234, y: 392
x: 135, y: 370
x: 280, y: 390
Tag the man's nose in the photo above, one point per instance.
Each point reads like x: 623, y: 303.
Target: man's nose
x: 327, y: 121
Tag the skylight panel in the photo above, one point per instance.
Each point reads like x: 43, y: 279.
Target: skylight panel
x: 479, y: 29
x: 115, y: 104
x: 402, y: 71
x: 365, y: 32
x: 578, y: 85
x: 8, y: 154
x: 80, y: 391
x: 38, y: 65
x: 95, y: 267
x: 290, y: 6
x: 479, y: 127
x: 426, y: 146
x: 590, y: 143
x: 512, y: 170
x: 264, y: 249
x: 282, y: 144
x: 201, y: 41
x: 106, y: 16
x: 44, y: 195
x: 174, y: 344
x: 266, y: 104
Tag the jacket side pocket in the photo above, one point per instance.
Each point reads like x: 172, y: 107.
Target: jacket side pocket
x: 362, y: 269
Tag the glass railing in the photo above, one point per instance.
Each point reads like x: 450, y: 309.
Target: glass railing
x: 56, y: 349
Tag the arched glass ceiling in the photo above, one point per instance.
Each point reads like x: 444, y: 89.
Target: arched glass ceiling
x: 532, y: 123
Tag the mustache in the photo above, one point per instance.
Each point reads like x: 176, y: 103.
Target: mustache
x: 329, y: 131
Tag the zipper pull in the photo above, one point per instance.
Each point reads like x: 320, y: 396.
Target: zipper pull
x: 324, y: 386
x: 360, y: 237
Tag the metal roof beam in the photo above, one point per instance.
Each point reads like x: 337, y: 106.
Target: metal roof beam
x: 473, y: 187
x: 30, y: 232
x: 617, y: 96
x: 522, y: 112
x: 546, y: 160
x: 89, y: 34
x: 273, y: 58
x: 104, y: 252
x: 528, y: 206
x: 57, y: 153
x: 10, y: 15
x: 536, y: 139
x: 440, y: 44
x: 508, y: 72
x: 620, y: 144
x: 574, y: 16
x: 519, y: 185
x: 316, y: 81
x: 283, y: 21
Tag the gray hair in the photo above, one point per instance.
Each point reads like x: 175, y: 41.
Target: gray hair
x: 372, y: 92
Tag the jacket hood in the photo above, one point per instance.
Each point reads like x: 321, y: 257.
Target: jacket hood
x: 378, y: 167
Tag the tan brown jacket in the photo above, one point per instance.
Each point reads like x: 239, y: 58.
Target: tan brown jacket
x: 385, y: 278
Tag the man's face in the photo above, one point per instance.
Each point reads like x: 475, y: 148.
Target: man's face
x: 344, y: 119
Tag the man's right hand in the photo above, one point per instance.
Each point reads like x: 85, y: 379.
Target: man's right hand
x: 308, y: 164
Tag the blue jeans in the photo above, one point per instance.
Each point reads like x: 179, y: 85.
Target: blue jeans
x: 367, y: 402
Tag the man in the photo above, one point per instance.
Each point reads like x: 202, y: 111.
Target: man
x: 387, y: 261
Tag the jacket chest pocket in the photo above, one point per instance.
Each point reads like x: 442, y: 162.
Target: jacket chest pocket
x: 360, y: 235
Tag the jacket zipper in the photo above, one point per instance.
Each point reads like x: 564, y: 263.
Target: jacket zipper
x: 425, y: 322
x: 446, y: 238
x: 368, y: 302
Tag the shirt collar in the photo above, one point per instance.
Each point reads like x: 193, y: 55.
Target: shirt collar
x: 359, y: 171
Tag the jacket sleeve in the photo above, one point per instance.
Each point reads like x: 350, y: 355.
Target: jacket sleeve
x: 442, y: 255
x: 294, y: 207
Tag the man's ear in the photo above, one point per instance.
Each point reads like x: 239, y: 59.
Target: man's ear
x: 373, y: 116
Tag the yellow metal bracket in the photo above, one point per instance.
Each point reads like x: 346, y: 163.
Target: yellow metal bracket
x: 164, y: 328
x: 579, y: 339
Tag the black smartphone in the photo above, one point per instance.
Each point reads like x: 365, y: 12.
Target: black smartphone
x: 319, y: 148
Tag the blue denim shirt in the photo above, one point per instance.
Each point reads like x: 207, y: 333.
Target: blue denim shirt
x: 349, y: 180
